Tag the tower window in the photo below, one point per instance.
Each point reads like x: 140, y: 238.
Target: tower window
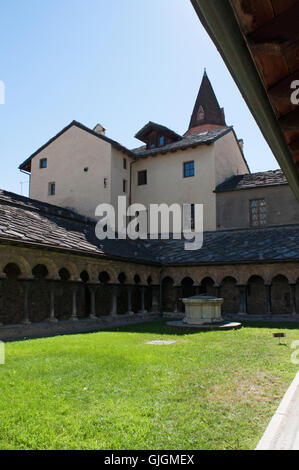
x: 142, y: 177
x: 200, y: 114
x: 189, y: 169
x: 52, y: 189
x: 258, y: 213
x: 43, y: 163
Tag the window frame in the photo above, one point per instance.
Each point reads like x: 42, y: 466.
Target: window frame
x: 185, y: 175
x: 139, y: 173
x: 41, y: 161
x: 124, y: 163
x: 50, y: 189
x: 259, y: 220
x: 125, y: 186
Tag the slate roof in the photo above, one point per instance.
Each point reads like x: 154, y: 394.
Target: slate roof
x: 36, y: 223
x: 232, y: 246
x: 31, y: 222
x: 253, y: 180
x: 205, y: 138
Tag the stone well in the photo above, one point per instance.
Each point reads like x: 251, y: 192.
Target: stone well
x: 203, y: 313
x: 201, y: 310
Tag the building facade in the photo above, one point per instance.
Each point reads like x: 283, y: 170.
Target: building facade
x: 55, y: 272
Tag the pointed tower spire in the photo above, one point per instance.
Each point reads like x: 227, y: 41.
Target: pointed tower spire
x: 207, y: 113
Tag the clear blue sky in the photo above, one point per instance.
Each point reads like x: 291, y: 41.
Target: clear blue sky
x: 117, y: 62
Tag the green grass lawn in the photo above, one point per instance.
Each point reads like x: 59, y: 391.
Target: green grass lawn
x: 111, y: 390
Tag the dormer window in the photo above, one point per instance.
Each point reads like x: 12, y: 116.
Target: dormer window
x: 161, y: 140
x: 152, y: 142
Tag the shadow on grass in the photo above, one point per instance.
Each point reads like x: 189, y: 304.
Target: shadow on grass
x: 161, y: 327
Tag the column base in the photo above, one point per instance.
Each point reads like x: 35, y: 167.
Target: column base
x: 26, y: 322
x: 93, y: 317
x: 73, y: 318
x: 52, y: 320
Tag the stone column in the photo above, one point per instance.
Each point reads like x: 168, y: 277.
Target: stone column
x: 243, y: 299
x: 155, y: 301
x: 293, y: 299
x: 196, y: 290
x: 142, y: 289
x: 268, y: 299
x: 26, y: 319
x: 218, y: 291
x: 74, y: 316
x: 129, y: 290
x: 114, y: 301
x: 2, y: 277
x: 52, y: 318
x: 177, y: 295
x: 92, y: 289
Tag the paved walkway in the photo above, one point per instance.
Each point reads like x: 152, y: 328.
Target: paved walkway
x: 283, y: 430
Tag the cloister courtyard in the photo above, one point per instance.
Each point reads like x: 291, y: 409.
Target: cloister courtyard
x: 113, y: 390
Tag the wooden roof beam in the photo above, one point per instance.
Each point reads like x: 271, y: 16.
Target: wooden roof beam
x: 281, y: 28
x: 290, y: 122
x: 273, y: 48
x: 280, y: 93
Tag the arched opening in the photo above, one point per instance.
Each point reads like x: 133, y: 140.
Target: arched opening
x: 11, y: 296
x: 280, y: 296
x: 12, y: 271
x: 84, y: 295
x: 122, y: 295
x: 40, y: 271
x: 256, y: 296
x: 149, y: 294
x: 231, y: 295
x: 136, y: 294
x: 187, y: 290
x: 168, y: 295
x: 39, y: 294
x: 104, y: 277
x: 104, y: 295
x: 63, y: 296
x: 207, y: 287
x: 297, y: 296
x: 64, y: 274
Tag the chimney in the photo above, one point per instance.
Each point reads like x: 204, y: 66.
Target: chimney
x: 99, y: 129
x: 241, y: 144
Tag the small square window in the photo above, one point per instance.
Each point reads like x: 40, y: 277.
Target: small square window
x: 124, y: 186
x: 189, y: 169
x: 43, y: 163
x: 52, y: 189
x: 142, y: 177
x: 125, y: 163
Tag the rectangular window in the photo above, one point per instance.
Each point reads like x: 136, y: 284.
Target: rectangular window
x: 142, y: 177
x: 52, y: 189
x: 43, y: 163
x: 189, y: 169
x: 124, y: 186
x: 125, y: 163
x: 258, y: 213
